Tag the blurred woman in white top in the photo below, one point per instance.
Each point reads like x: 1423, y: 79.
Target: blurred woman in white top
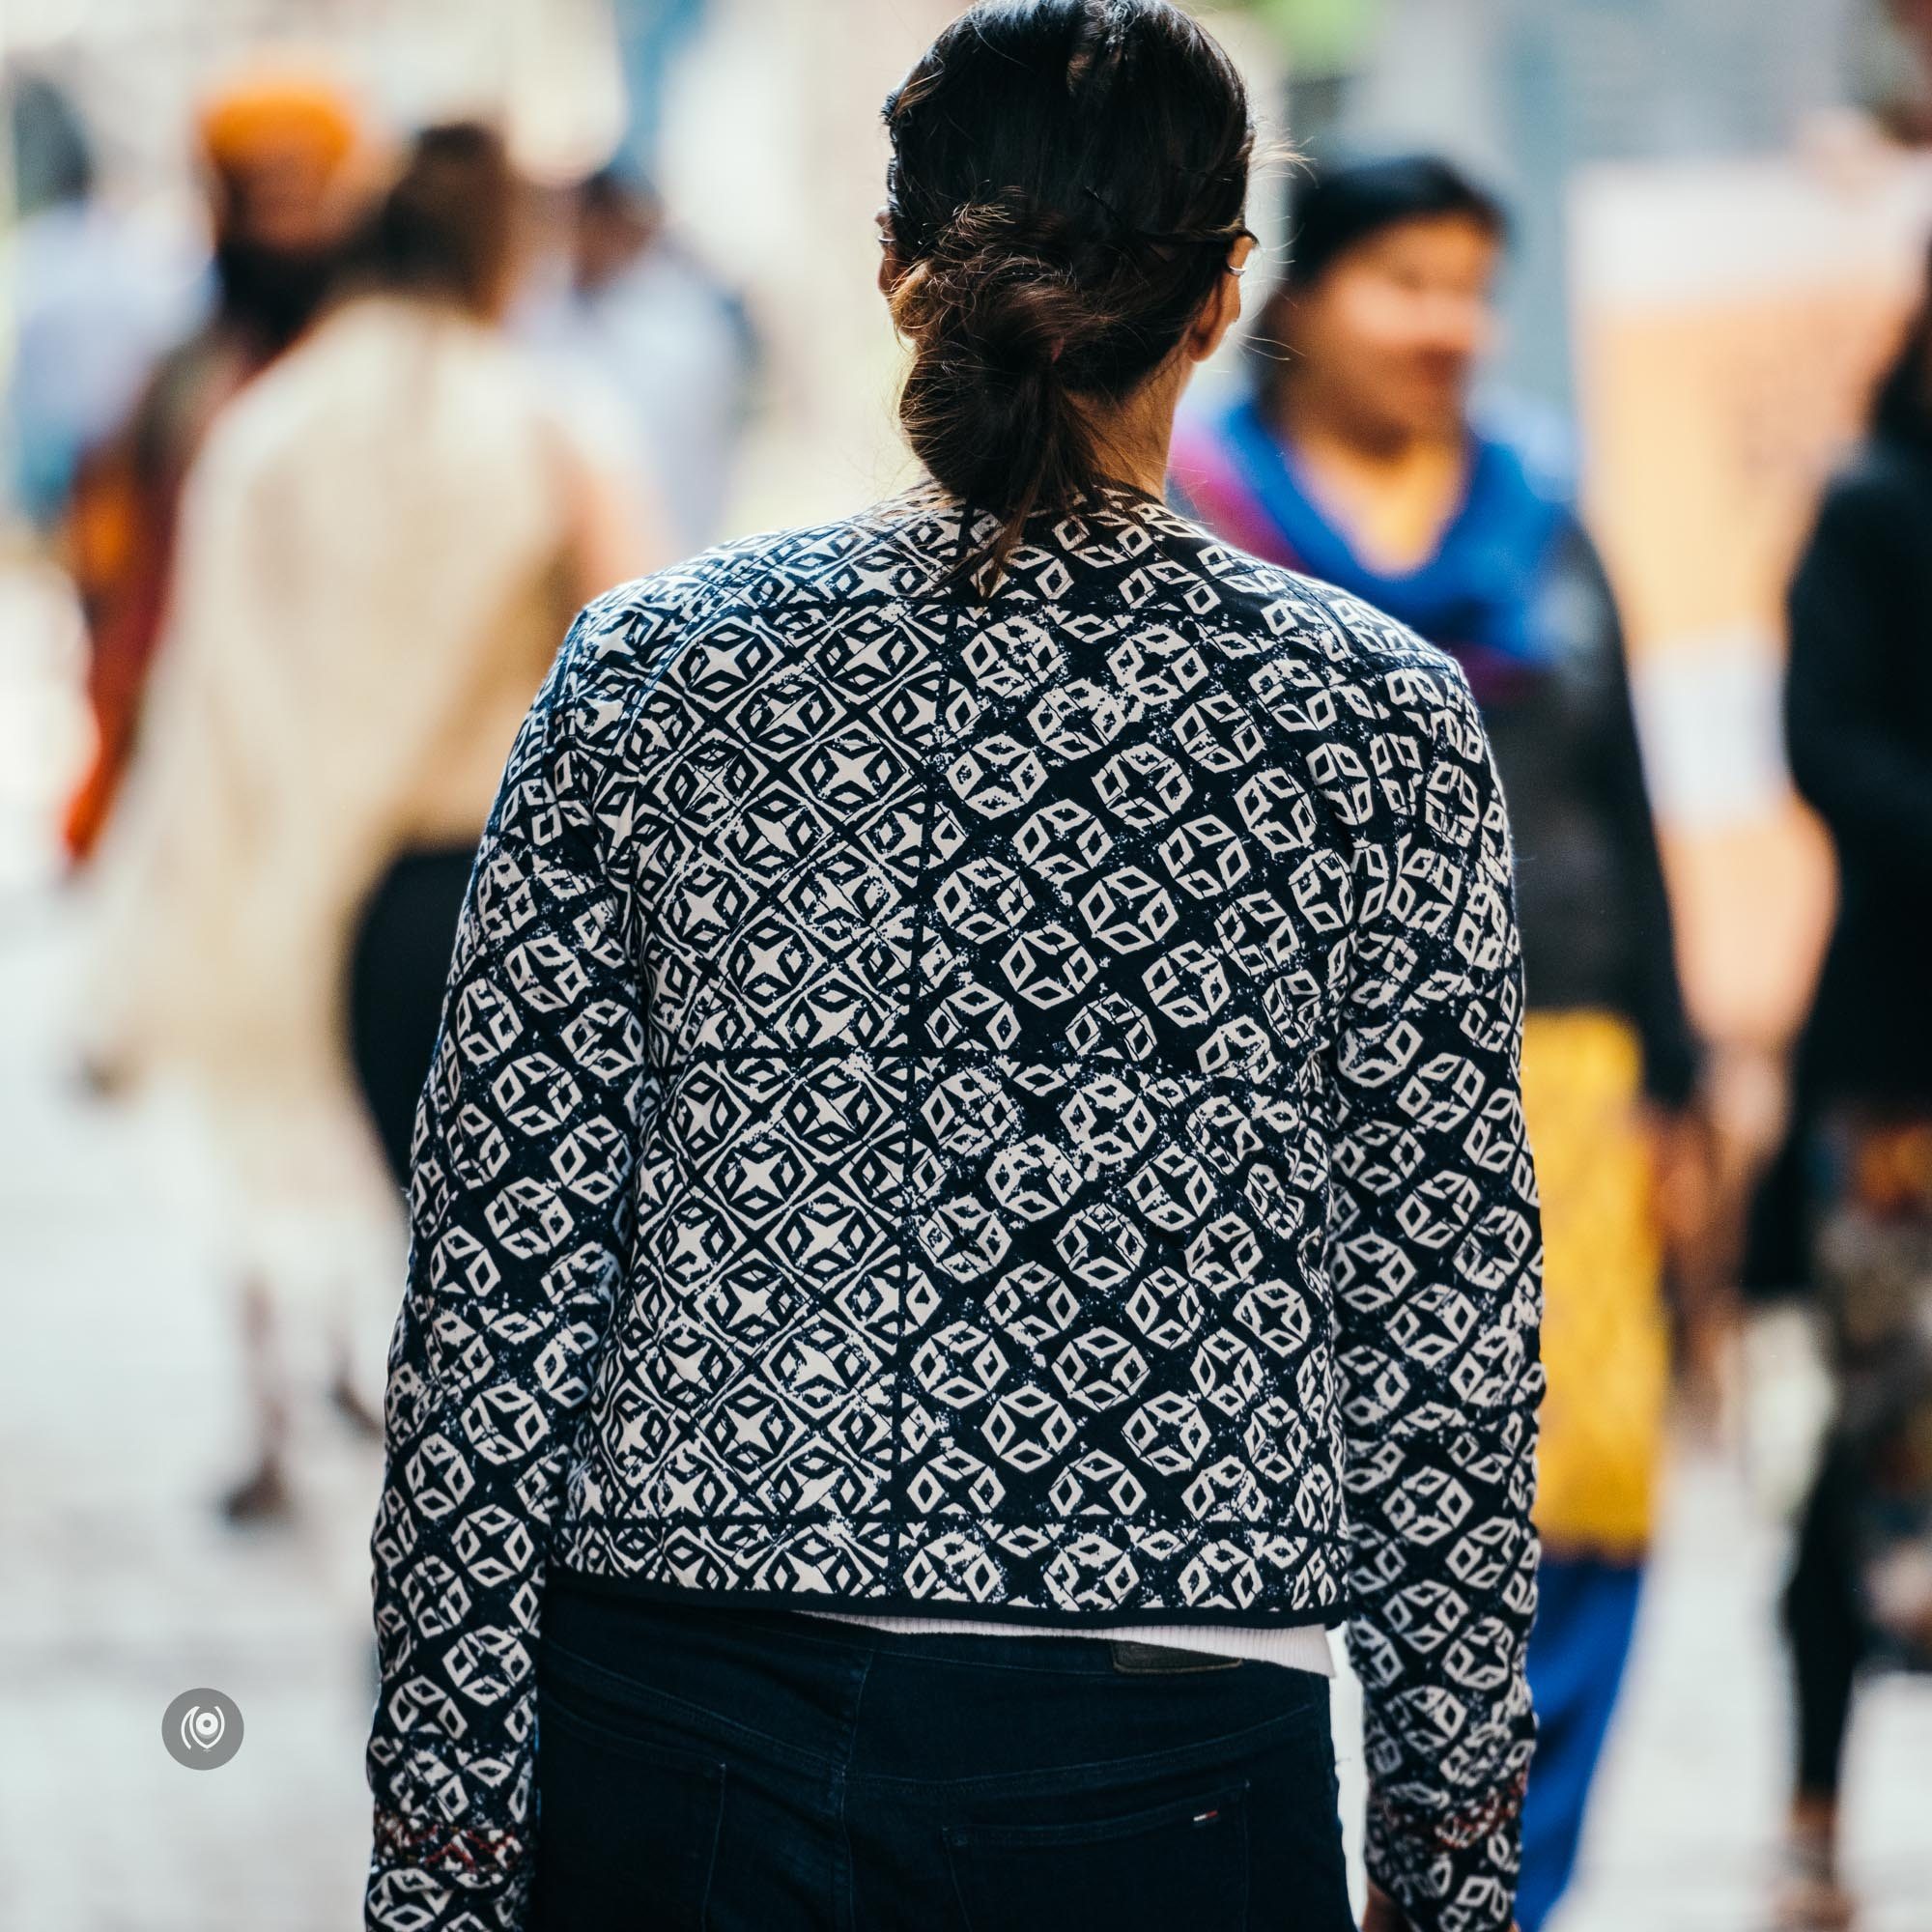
x: 381, y: 544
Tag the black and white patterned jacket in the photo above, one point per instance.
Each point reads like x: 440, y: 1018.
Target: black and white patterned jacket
x: 1006, y: 1107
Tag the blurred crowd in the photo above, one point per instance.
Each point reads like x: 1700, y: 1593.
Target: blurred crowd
x: 329, y: 493
x: 328, y: 503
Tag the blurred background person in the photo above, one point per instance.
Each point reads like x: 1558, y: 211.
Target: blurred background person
x: 1352, y: 456
x: 98, y: 295
x: 1859, y: 723
x: 1696, y: 278
x: 665, y: 337
x: 279, y: 153
x: 379, y: 546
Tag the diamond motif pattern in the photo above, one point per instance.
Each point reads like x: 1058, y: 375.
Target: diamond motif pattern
x: 945, y: 1104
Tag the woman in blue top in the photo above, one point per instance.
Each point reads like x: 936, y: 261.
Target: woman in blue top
x: 1352, y: 457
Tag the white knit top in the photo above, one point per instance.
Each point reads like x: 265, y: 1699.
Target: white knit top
x: 1294, y: 1646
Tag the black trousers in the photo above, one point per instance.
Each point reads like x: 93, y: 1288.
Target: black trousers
x: 1830, y: 1635
x: 759, y: 1771
x: 398, y: 966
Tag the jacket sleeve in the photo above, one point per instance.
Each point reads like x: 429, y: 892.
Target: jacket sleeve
x: 1653, y: 996
x: 1437, y: 1246
x: 526, y: 1138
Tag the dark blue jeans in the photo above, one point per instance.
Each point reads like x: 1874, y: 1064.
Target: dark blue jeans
x: 755, y: 1771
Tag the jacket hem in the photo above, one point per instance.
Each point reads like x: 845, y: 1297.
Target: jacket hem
x: 1253, y: 1616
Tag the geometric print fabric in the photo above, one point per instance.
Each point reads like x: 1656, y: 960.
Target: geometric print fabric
x: 1000, y: 1107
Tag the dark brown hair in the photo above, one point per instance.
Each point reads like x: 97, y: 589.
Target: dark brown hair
x: 446, y: 226
x: 1067, y: 179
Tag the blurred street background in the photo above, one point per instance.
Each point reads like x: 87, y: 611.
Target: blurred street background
x: 1720, y: 215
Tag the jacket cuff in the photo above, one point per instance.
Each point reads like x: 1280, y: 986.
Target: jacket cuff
x: 1449, y: 1871
x: 440, y: 1877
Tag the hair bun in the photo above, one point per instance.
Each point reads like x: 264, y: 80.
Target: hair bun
x: 1030, y: 298
x: 1002, y: 277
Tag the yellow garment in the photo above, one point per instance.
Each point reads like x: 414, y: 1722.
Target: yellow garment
x: 1605, y: 1344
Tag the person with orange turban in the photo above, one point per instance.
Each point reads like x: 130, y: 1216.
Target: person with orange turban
x: 282, y: 156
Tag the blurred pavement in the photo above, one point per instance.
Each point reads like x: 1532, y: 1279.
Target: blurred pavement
x: 120, y: 1587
